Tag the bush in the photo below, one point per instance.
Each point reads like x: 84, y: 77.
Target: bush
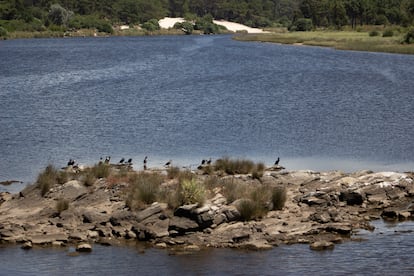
x: 173, y: 172
x: 278, y: 198
x: 388, y: 33
x: 374, y: 33
x: 186, y: 27
x: 47, y: 179
x: 151, y: 25
x: 3, y: 32
x: 191, y: 192
x: 100, y: 170
x: 62, y: 205
x: 143, y: 189
x: 302, y: 25
x: 409, y: 36
x: 89, y: 179
x: 239, y: 166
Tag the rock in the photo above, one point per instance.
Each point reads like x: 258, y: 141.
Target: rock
x: 27, y: 245
x: 182, y: 225
x: 84, y: 247
x: 48, y: 238
x: 257, y: 245
x: 192, y: 247
x: 150, y: 211
x: 231, y: 213
x: 186, y: 211
x: 322, y: 245
x: 351, y: 198
x: 159, y: 229
x: 161, y: 245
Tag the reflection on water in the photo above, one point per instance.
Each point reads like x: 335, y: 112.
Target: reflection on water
x: 195, y: 97
x: 386, y: 251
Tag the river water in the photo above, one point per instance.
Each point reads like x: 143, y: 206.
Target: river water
x: 188, y: 98
x: 386, y: 251
x: 193, y: 97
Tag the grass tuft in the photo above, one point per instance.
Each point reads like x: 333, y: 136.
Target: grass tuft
x: 144, y: 188
x: 47, y: 179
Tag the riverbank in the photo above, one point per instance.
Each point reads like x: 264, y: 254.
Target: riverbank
x: 208, y: 207
x: 341, y: 40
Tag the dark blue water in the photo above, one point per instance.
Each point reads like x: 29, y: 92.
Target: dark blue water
x: 386, y: 251
x: 192, y: 97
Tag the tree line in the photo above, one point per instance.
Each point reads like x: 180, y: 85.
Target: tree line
x: 38, y: 15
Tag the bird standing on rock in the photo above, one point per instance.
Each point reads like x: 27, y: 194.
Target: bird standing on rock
x: 145, y: 162
x: 168, y: 163
x: 277, y: 161
x: 121, y: 161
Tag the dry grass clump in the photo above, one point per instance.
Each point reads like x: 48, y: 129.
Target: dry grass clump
x: 144, y: 188
x: 47, y: 179
x: 278, y: 198
x: 90, y: 175
x: 62, y: 205
x: 239, y: 166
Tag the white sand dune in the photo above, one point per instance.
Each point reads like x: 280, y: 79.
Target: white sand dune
x: 168, y: 22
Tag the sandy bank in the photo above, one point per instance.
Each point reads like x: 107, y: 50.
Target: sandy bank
x: 168, y: 22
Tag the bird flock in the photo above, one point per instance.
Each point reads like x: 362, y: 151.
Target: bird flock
x: 204, y: 162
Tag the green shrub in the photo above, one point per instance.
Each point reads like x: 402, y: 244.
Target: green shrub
x: 151, y: 25
x: 143, y: 189
x: 191, y: 192
x: 62, y: 205
x: 302, y: 25
x: 186, y: 27
x: 47, y: 179
x: 278, y: 198
x: 374, y: 33
x: 3, y: 32
x: 233, y: 189
x: 388, y: 33
x: 409, y: 36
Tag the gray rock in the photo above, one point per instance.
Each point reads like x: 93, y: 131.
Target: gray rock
x: 84, y: 247
x: 27, y: 245
x: 182, y: 225
x: 150, y: 211
x: 186, y: 211
x: 322, y: 245
x: 48, y: 238
x: 351, y: 198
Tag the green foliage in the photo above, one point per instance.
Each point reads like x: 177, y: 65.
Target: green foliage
x: 3, y: 32
x: 302, y: 25
x: 206, y: 25
x: 59, y: 15
x: 90, y: 22
x: 388, y: 33
x: 409, y: 36
x: 322, y: 13
x: 143, y: 189
x: 62, y: 205
x: 186, y: 27
x: 151, y: 25
x: 374, y: 33
x: 47, y: 179
x: 191, y: 192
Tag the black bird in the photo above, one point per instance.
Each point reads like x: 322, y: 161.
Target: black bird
x: 145, y: 160
x: 209, y: 161
x: 71, y: 162
x: 203, y: 162
x: 107, y: 159
x: 129, y: 161
x: 277, y: 161
x: 121, y: 161
x: 168, y: 163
